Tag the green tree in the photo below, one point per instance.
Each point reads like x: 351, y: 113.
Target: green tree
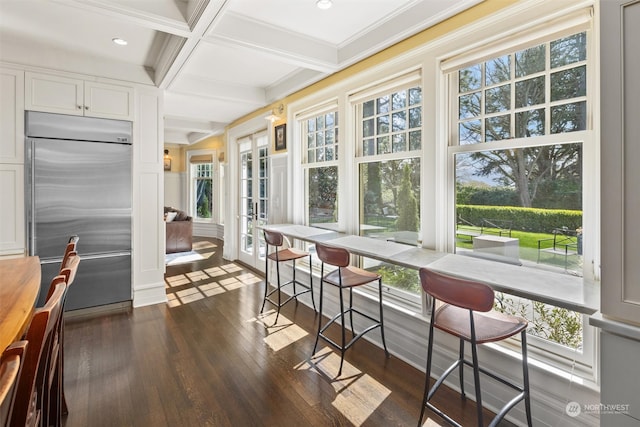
x: 407, y: 203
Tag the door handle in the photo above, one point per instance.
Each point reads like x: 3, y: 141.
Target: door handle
x: 255, y: 211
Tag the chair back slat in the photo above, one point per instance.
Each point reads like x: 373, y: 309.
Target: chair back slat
x: 273, y: 238
x: 70, y: 267
x: 10, y: 368
x: 459, y: 292
x: 71, y: 247
x: 333, y: 256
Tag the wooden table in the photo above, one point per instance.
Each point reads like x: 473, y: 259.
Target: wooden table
x: 19, y: 289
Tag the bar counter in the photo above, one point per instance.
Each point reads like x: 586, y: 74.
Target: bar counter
x: 19, y: 289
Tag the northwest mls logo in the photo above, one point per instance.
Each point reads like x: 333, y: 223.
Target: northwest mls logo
x: 573, y: 409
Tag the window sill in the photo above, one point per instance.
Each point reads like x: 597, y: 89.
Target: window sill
x: 561, y: 290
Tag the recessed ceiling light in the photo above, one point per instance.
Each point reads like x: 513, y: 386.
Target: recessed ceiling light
x: 119, y: 41
x: 324, y: 4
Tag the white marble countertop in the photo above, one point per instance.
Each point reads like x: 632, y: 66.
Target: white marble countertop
x: 561, y: 290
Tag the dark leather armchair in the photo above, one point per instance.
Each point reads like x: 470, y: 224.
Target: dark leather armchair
x: 179, y: 231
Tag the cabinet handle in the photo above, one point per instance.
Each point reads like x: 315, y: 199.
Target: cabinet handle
x: 79, y: 107
x: 86, y: 107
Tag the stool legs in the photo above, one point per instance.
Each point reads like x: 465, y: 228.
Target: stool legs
x: 344, y: 345
x: 430, y: 391
x: 279, y: 287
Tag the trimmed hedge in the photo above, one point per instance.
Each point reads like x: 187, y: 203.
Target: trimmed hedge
x: 524, y: 219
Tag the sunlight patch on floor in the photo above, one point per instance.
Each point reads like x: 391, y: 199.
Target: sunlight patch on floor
x: 203, y: 245
x: 205, y: 288
x: 179, y: 280
x: 281, y: 334
x: 358, y: 395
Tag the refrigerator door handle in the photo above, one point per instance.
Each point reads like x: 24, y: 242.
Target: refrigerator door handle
x: 31, y: 221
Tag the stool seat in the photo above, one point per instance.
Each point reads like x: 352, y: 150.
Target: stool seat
x: 490, y: 327
x: 351, y: 276
x: 287, y: 254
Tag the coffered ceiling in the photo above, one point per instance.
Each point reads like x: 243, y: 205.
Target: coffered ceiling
x: 217, y: 60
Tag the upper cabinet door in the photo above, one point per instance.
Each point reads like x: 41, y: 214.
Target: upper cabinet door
x: 54, y: 94
x: 65, y: 95
x: 11, y: 116
x: 108, y: 101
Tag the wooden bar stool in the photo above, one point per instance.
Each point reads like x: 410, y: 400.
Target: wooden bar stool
x: 346, y: 276
x: 467, y: 313
x: 276, y: 239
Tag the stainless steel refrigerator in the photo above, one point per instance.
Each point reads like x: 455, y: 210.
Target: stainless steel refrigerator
x: 78, y: 182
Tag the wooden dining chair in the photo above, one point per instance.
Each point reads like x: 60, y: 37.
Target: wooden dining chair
x: 10, y: 367
x: 67, y: 275
x: 467, y: 313
x: 37, y: 395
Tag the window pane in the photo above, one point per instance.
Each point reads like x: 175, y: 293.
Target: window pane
x: 399, y: 100
x: 470, y: 132
x: 415, y: 140
x: 383, y: 145
x: 498, y: 99
x: 530, y: 123
x: 469, y: 105
x: 383, y: 124
x: 569, y: 83
x: 368, y: 148
x: 322, y: 192
x: 497, y: 128
x: 311, y: 156
x: 569, y: 117
x: 523, y: 195
x: 203, y: 198
x: 399, y: 142
x: 367, y: 128
x: 389, y: 210
x: 569, y: 50
x: 497, y: 70
x: 399, y: 121
x: 329, y: 154
x: 328, y: 137
x: 311, y: 142
x: 311, y: 125
x: 383, y: 105
x: 367, y: 109
x: 530, y: 61
x: 415, y: 117
x: 470, y: 78
x: 530, y: 92
x: 320, y: 122
x: 415, y: 96
x: 328, y: 120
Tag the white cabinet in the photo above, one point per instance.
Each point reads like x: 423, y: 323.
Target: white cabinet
x: 65, y: 95
x: 12, y: 231
x: 12, y: 222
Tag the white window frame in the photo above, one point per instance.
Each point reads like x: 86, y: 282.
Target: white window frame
x: 301, y: 120
x: 406, y: 81
x: 215, y: 212
x: 549, y: 351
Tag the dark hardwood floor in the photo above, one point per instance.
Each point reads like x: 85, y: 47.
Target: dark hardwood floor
x: 207, y: 358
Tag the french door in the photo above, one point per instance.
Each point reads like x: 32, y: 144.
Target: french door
x: 254, y: 188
